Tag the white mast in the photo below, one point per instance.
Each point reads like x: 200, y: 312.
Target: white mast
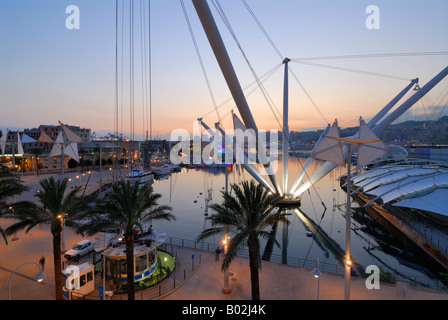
x: 330, y: 149
x: 285, y: 139
x: 327, y: 167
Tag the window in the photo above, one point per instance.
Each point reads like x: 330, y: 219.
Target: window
x: 123, y: 266
x: 140, y: 263
x: 152, y: 258
x: 82, y: 280
x: 89, y: 276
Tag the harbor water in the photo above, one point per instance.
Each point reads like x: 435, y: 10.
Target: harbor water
x: 316, y: 229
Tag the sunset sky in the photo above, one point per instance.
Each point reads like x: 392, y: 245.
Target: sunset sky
x: 50, y: 73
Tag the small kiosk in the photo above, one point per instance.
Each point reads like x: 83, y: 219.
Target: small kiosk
x: 79, y: 280
x: 147, y: 266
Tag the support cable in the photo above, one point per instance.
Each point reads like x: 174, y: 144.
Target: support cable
x: 375, y: 55
x: 200, y: 60
x: 260, y: 84
x: 263, y: 30
x: 149, y: 114
x: 263, y: 78
x: 352, y: 70
x: 281, y: 56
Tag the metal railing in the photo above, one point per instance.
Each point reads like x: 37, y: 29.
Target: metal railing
x: 309, y: 264
x: 185, y: 268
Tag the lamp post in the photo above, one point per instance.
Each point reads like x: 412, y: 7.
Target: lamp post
x: 226, y: 287
x: 38, y: 278
x: 348, y: 260
x: 61, y: 216
x: 317, y: 274
x: 15, y: 236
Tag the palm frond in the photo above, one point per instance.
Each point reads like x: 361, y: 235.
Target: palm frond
x: 207, y: 233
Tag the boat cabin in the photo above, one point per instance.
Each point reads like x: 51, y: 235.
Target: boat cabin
x: 145, y: 265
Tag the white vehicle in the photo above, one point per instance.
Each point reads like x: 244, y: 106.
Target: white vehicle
x: 81, y: 248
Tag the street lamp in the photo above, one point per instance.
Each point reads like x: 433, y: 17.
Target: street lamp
x: 226, y: 287
x: 40, y: 276
x: 15, y: 236
x: 61, y: 217
x: 317, y: 274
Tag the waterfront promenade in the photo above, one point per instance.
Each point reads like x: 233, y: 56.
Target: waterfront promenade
x: 284, y: 282
x: 277, y: 282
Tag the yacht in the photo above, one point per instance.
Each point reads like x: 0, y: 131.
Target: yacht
x: 139, y: 174
x: 162, y: 170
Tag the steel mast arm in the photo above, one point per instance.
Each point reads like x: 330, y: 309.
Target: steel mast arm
x: 228, y: 71
x: 327, y: 167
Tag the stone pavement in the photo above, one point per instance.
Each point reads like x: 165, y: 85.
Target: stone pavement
x: 277, y: 282
x: 283, y: 282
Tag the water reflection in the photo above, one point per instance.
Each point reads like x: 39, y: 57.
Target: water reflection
x: 322, y: 213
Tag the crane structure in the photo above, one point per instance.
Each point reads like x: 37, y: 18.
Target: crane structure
x: 291, y: 196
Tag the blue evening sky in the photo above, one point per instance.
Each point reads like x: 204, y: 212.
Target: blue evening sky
x: 50, y: 73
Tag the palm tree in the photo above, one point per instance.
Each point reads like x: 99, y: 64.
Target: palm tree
x: 127, y: 207
x: 246, y: 216
x: 9, y: 187
x: 55, y: 206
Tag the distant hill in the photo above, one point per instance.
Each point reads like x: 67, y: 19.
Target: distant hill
x: 403, y: 133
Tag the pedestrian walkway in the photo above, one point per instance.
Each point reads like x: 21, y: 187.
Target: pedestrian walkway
x: 277, y: 281
x: 283, y: 282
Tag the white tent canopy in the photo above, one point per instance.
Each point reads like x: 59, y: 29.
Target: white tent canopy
x: 422, y: 187
x: 398, y: 176
x: 3, y: 141
x: 370, y: 151
x: 71, y: 136
x: 329, y: 149
x: 27, y: 139
x: 432, y: 202
x: 371, y: 174
x: 70, y: 150
x: 410, y: 186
